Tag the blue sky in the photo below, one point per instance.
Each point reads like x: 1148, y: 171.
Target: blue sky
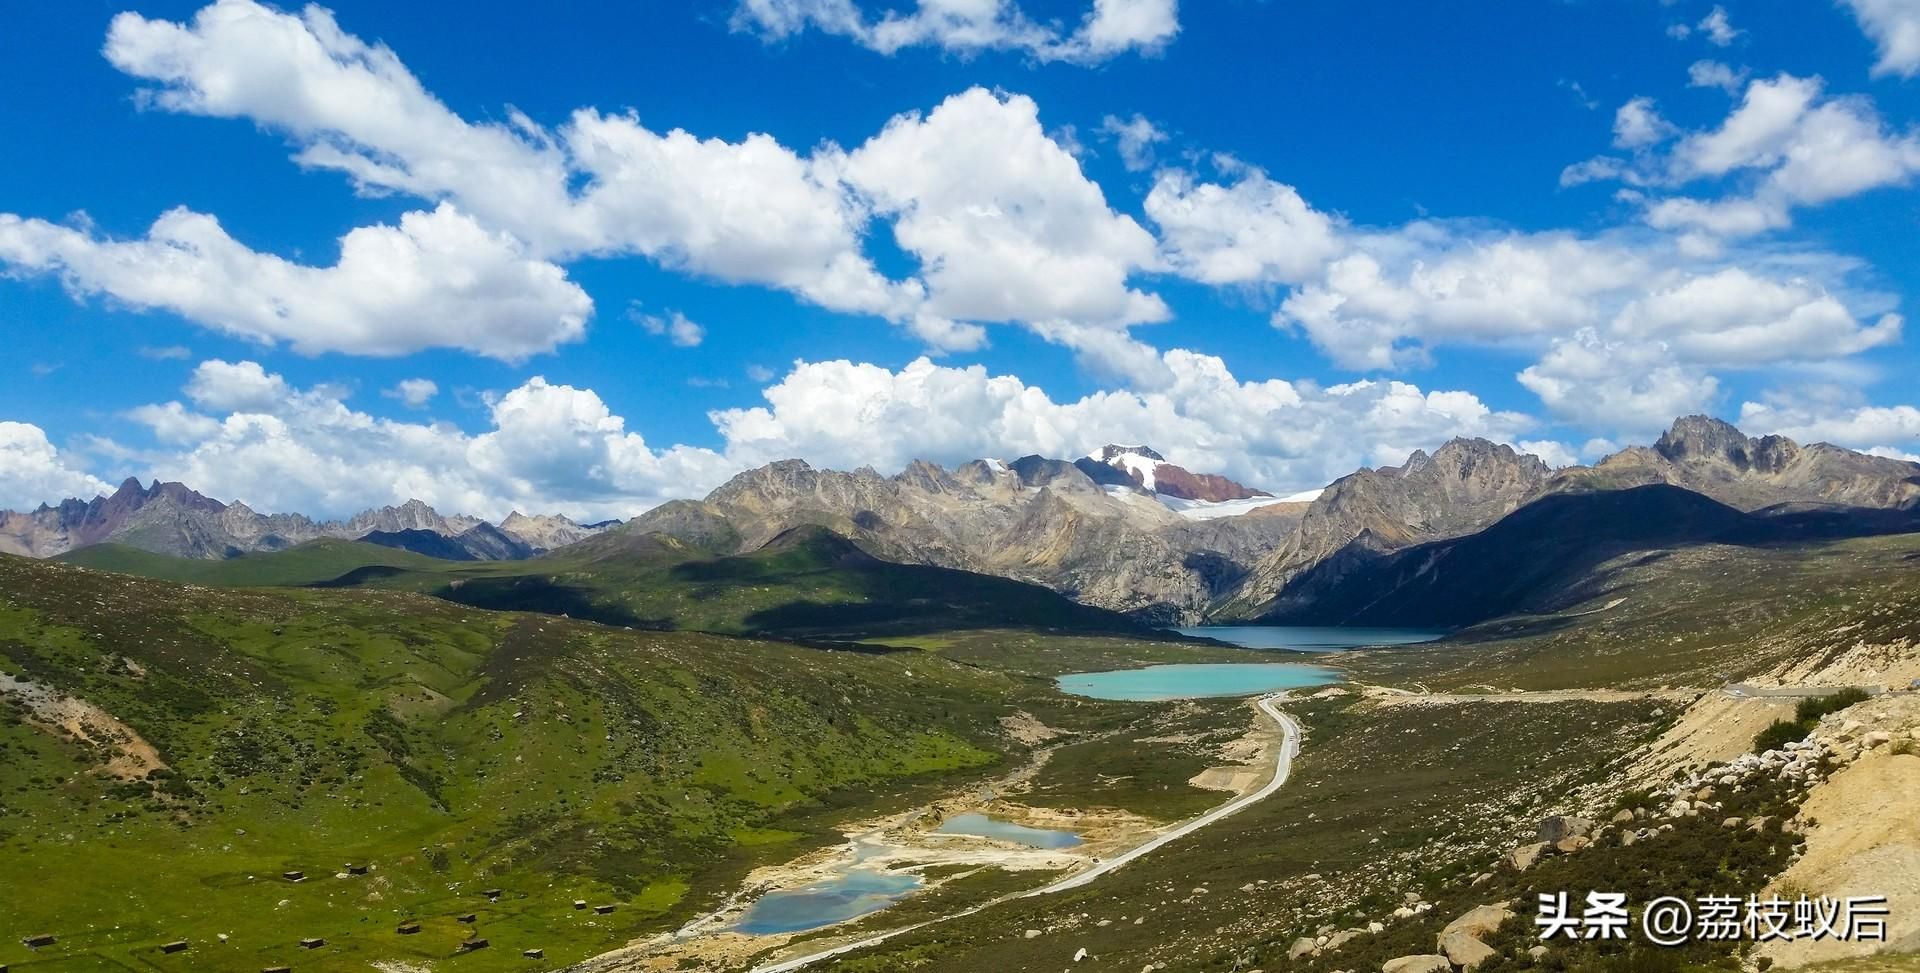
x: 616, y: 253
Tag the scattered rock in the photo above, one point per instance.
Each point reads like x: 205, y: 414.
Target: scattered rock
x: 1465, y: 951
x: 1523, y: 857
x: 1417, y: 963
x: 1031, y: 934
x: 1480, y: 922
x: 1563, y: 826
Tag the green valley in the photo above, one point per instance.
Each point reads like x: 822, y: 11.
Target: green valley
x: 173, y: 753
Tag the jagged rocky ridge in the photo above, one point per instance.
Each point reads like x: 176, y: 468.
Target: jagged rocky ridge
x: 170, y: 518
x: 1094, y: 529
x: 1120, y: 529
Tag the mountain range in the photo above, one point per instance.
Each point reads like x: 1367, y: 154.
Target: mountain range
x: 1125, y: 530
x: 171, y: 518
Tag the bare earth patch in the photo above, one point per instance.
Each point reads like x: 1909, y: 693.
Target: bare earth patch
x: 1863, y: 836
x: 128, y: 756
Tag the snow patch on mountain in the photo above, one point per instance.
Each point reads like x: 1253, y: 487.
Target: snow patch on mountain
x: 1214, y: 510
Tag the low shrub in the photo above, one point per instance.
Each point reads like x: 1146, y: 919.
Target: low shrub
x: 1779, y: 734
x: 1811, y: 709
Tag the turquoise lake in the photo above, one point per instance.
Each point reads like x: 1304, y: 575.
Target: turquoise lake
x: 851, y: 894
x: 983, y: 826
x: 1309, y: 638
x: 1191, y: 681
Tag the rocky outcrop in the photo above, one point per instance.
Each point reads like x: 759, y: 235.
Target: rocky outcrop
x: 1463, y: 487
x: 1462, y: 940
x: 1560, y: 827
x: 1714, y: 458
x: 1418, y: 963
x: 549, y: 532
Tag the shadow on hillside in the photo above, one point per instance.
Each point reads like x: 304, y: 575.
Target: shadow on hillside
x: 538, y: 594
x: 360, y: 576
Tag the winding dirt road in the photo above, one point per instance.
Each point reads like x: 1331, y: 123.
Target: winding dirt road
x: 1282, y: 768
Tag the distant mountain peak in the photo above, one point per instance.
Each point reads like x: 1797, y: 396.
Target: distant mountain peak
x: 1110, y: 452
x: 1151, y: 472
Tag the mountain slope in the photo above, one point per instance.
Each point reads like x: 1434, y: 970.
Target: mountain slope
x: 1046, y: 521
x: 305, y: 564
x: 173, y: 519
x: 1543, y: 558
x: 169, y: 751
x: 1464, y: 486
x: 807, y: 582
x: 1713, y: 458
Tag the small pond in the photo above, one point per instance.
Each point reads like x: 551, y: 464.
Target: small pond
x: 1195, y: 680
x: 849, y: 895
x: 983, y: 826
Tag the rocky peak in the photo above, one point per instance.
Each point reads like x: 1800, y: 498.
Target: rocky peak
x: 1109, y: 453
x: 1704, y: 439
x: 1142, y: 467
x: 923, y: 475
x: 779, y: 477
x: 1466, y: 458
x: 1038, y: 471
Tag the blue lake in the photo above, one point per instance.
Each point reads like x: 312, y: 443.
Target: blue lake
x: 849, y: 895
x: 982, y: 826
x: 1308, y: 638
x: 1190, y: 681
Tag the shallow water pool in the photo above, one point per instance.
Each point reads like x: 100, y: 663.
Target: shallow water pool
x: 1191, y: 681
x: 851, y: 894
x: 983, y: 826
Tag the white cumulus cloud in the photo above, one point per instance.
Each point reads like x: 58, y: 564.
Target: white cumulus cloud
x: 414, y: 393
x: 32, y: 471
x: 1109, y: 28
x: 1894, y: 26
x: 437, y: 280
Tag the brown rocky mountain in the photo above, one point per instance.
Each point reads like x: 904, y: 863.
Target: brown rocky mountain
x: 1035, y: 519
x: 1713, y: 458
x: 170, y: 518
x: 1463, y: 487
x: 1796, y: 490
x: 1103, y: 529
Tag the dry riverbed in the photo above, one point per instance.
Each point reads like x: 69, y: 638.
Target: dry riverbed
x: 909, y: 843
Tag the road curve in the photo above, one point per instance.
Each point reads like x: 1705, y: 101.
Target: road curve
x: 1282, y: 767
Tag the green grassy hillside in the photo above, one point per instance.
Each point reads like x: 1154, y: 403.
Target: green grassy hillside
x: 1547, y: 555
x: 166, y: 753
x: 1692, y: 616
x: 806, y: 583
x: 309, y: 563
